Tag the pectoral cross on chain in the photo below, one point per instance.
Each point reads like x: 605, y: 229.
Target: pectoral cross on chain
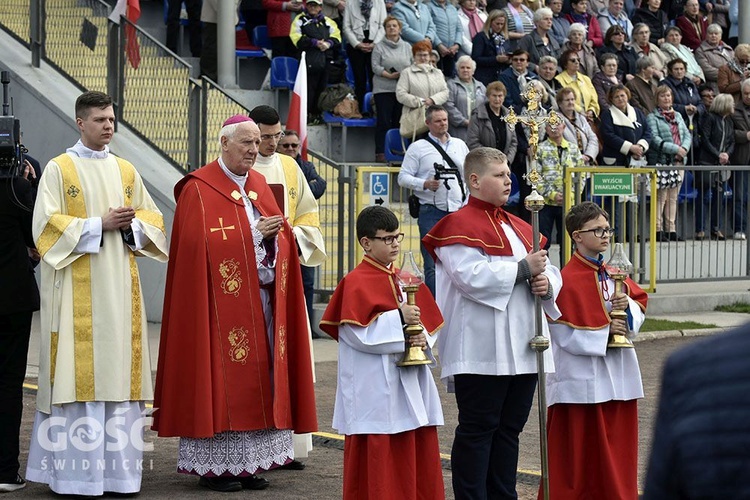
x: 222, y: 228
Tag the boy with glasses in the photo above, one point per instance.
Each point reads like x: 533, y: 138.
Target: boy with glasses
x: 389, y: 414
x: 592, y: 423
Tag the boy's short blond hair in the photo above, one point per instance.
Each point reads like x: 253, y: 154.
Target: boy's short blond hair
x: 480, y: 159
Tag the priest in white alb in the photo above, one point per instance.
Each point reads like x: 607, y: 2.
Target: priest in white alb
x: 92, y: 217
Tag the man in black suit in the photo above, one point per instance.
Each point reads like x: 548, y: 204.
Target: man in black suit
x: 702, y: 433
x: 19, y: 298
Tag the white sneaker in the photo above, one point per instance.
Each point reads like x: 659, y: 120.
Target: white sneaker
x: 16, y: 485
x: 740, y: 236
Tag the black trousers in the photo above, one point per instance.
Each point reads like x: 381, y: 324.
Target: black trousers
x: 388, y: 116
x: 209, y: 51
x: 317, y: 79
x: 492, y: 411
x: 193, y: 8
x: 362, y: 68
x: 15, y: 330
x: 308, y: 282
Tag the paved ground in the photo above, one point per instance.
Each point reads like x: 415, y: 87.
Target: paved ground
x: 323, y: 477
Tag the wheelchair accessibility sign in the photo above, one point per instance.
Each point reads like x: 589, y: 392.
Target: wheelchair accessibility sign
x: 379, y: 188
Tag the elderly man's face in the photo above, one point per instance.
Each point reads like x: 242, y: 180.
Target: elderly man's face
x: 616, y: 6
x: 240, y: 151
x: 746, y: 95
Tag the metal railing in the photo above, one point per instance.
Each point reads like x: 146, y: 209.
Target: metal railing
x: 179, y: 117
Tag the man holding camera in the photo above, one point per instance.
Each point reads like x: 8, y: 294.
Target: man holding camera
x: 433, y: 168
x: 19, y: 298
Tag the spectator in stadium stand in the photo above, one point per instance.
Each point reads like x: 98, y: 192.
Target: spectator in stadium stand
x: 741, y: 156
x: 491, y: 47
x: 734, y: 72
x: 334, y: 9
x: 448, y: 34
x: 560, y: 25
x: 363, y: 28
x: 577, y: 128
x: 712, y: 54
x: 607, y: 78
x: 577, y: 43
x: 673, y: 8
x: 472, y: 22
x: 520, y: 21
x: 578, y: 14
x: 416, y: 20
x: 515, y: 79
x: 718, y: 12
x: 487, y: 126
x: 279, y: 18
x: 539, y: 42
x: 643, y: 47
x: 465, y: 93
x: 655, y: 18
x: 615, y: 15
x: 547, y: 70
x: 686, y: 98
x: 693, y: 25
x: 674, y: 49
x: 643, y: 86
x: 614, y: 43
x: 587, y: 101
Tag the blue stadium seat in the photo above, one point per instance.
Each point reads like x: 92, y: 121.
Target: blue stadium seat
x: 395, y: 146
x: 330, y: 119
x: 260, y: 37
x: 283, y: 74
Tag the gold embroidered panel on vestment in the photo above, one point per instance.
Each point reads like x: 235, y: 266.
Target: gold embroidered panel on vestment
x: 309, y: 219
x: 282, y: 341
x: 240, y: 345
x: 127, y: 174
x: 54, y: 337
x: 232, y: 282
x: 151, y: 218
x: 56, y: 226
x: 284, y: 276
x: 83, y: 332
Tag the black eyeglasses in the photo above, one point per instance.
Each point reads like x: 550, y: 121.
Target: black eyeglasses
x: 290, y: 145
x: 600, y: 232
x: 388, y: 240
x: 267, y: 137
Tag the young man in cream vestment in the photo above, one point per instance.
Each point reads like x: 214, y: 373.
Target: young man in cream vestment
x: 92, y: 217
x: 299, y: 207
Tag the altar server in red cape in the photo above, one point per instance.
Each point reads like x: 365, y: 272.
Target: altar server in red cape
x: 592, y: 422
x: 388, y: 413
x: 486, y: 280
x: 234, y: 376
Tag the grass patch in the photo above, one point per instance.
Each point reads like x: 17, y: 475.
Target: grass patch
x: 661, y: 325
x: 737, y: 307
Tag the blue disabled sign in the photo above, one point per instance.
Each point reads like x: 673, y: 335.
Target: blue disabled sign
x: 379, y: 188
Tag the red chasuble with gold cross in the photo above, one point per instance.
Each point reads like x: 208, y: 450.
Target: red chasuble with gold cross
x: 215, y: 361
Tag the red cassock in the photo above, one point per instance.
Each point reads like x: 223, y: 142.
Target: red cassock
x: 593, y: 448
x: 214, y: 371
x: 385, y: 466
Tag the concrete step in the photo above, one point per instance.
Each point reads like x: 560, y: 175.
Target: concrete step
x: 692, y: 298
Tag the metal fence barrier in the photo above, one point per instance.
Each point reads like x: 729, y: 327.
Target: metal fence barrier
x: 179, y: 116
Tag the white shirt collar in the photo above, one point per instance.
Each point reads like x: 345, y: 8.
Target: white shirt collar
x: 81, y: 151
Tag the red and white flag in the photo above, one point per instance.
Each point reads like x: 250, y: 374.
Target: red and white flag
x: 131, y: 9
x: 297, y: 118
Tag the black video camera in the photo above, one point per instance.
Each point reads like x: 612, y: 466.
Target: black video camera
x: 11, y: 150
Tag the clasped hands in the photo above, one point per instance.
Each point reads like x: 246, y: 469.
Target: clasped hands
x: 270, y: 226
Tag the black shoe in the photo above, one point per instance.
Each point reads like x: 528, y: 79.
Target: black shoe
x: 222, y: 484
x: 14, y: 485
x: 254, y: 482
x: 294, y: 464
x: 673, y: 237
x: 661, y: 236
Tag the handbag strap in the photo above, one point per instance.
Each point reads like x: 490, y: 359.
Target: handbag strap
x: 452, y: 164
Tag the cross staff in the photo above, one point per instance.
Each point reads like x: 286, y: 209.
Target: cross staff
x: 534, y: 118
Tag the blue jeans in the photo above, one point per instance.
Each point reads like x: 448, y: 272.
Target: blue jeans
x: 740, y: 188
x: 429, y: 215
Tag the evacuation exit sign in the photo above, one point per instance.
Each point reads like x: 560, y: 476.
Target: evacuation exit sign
x: 612, y: 185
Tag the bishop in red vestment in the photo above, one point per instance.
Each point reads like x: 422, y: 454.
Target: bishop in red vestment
x: 234, y: 359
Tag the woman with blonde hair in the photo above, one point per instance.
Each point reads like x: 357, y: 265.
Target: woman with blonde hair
x: 670, y: 142
x: 491, y: 47
x: 717, y: 145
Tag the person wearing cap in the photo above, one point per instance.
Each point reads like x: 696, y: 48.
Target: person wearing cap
x: 93, y: 215
x: 319, y: 38
x: 234, y: 378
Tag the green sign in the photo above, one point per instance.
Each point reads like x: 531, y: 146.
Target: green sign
x: 612, y: 185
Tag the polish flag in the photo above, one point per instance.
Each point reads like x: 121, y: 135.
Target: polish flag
x: 131, y: 9
x: 297, y: 118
